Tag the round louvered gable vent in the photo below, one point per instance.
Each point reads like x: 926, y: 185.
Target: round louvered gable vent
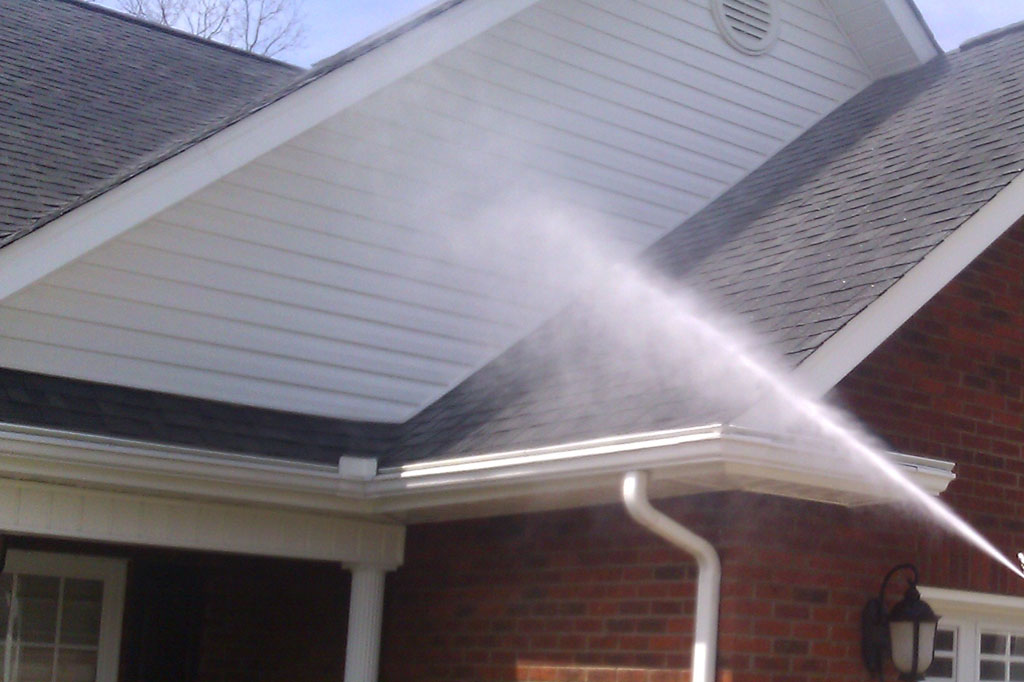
x: 750, y: 26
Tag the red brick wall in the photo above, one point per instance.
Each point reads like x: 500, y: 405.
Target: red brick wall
x: 950, y: 384
x: 588, y: 596
x: 576, y: 595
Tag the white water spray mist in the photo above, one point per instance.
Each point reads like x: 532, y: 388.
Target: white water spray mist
x: 662, y: 334
x: 544, y: 245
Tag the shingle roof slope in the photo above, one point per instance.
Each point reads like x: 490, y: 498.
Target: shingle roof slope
x: 89, y: 94
x: 795, y: 251
x: 87, y: 407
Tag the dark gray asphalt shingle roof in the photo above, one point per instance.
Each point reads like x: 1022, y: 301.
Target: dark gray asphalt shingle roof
x: 87, y: 407
x: 89, y: 94
x: 795, y: 250
x: 98, y: 98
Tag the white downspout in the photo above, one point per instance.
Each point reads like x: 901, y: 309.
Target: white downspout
x: 709, y: 570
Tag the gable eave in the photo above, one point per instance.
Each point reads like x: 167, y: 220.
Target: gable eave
x: 339, y: 82
x: 821, y: 371
x: 891, y: 36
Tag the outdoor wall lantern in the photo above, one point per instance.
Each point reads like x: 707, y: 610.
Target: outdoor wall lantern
x: 907, y: 632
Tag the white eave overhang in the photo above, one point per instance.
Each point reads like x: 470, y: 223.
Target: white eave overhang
x: 682, y: 462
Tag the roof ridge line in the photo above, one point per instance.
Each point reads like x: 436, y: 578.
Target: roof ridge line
x: 989, y: 36
x: 93, y: 6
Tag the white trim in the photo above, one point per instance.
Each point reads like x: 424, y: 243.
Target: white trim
x: 969, y: 614
x: 848, y: 347
x: 111, y: 571
x: 959, y: 604
x: 964, y: 652
x: 684, y: 461
x: 916, y: 32
x: 36, y: 255
x: 67, y: 511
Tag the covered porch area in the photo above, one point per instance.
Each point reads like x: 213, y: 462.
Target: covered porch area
x: 109, y: 585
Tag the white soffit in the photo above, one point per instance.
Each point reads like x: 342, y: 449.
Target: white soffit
x: 344, y: 272
x: 889, y: 34
x: 74, y: 512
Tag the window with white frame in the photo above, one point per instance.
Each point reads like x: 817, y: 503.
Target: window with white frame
x: 980, y: 637
x: 60, y: 617
x: 944, y: 664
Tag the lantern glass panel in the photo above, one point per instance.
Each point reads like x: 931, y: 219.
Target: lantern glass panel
x: 902, y: 633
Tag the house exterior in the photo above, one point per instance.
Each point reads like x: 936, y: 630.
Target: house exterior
x: 363, y: 372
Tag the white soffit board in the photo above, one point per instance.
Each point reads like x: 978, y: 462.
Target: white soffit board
x: 365, y: 267
x: 888, y: 34
x: 52, y: 510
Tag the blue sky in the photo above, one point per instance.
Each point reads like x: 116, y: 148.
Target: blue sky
x: 335, y: 24
x: 953, y: 21
x: 332, y: 25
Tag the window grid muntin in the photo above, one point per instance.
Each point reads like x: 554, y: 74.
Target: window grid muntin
x: 945, y: 654
x: 14, y: 644
x: 1012, y: 665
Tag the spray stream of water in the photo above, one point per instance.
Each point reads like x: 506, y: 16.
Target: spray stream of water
x: 533, y: 226
x: 654, y: 319
x: 831, y: 425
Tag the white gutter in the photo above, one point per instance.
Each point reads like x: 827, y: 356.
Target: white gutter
x: 697, y: 459
x: 709, y: 571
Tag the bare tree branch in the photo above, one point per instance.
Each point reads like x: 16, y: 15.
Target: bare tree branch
x: 266, y: 27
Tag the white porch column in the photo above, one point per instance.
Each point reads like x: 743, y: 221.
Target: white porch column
x: 365, y: 612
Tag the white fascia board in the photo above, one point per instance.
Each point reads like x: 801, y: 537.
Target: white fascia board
x: 954, y: 603
x: 848, y: 347
x: 116, y: 211
x: 914, y: 28
x: 712, y: 458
